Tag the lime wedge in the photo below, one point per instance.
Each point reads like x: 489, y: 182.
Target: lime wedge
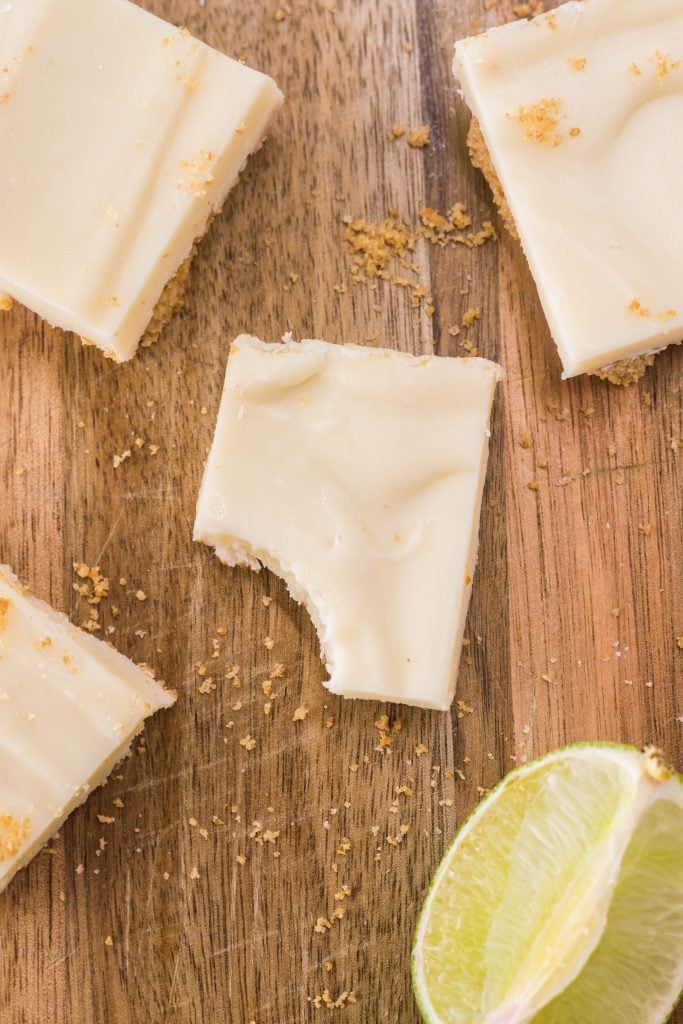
x: 561, y: 899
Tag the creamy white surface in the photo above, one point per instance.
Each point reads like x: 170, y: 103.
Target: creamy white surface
x: 356, y: 474
x: 68, y: 711
x: 599, y: 215
x: 119, y: 137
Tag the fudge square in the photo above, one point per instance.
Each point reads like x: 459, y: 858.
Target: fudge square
x: 578, y: 117
x: 120, y: 137
x: 356, y: 475
x: 70, y: 706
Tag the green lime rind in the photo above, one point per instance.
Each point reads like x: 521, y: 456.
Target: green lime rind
x: 628, y: 771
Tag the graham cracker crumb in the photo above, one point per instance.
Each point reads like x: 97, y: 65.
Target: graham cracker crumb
x: 13, y: 832
x: 541, y: 121
x: 664, y: 65
x: 387, y: 731
x: 418, y: 138
x: 655, y: 766
x: 528, y: 10
x: 5, y: 605
x: 637, y: 309
x: 441, y: 230
x: 464, y: 709
x: 469, y: 347
x: 397, y: 131
x: 329, y: 1002
x: 376, y: 248
x: 577, y: 63
x: 93, y: 589
x: 118, y: 459
x: 470, y: 315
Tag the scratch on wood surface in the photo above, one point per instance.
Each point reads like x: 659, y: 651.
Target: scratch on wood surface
x: 174, y: 978
x: 151, y: 886
x: 109, y: 536
x: 61, y: 960
x: 127, y: 916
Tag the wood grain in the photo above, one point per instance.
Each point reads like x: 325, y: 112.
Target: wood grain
x: 568, y: 587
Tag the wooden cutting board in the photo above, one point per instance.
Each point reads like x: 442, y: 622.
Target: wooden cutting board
x: 577, y: 603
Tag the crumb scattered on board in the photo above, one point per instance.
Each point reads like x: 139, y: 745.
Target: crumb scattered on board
x: 384, y: 250
x: 418, y: 138
x: 528, y: 10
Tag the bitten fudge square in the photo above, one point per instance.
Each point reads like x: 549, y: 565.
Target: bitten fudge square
x: 356, y: 474
x: 577, y: 116
x: 120, y: 137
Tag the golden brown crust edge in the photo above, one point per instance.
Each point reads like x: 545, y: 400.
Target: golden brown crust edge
x: 622, y: 372
x: 170, y: 300
x: 625, y: 371
x: 168, y: 304
x: 481, y: 159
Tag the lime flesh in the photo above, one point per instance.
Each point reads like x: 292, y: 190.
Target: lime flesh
x: 561, y: 900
